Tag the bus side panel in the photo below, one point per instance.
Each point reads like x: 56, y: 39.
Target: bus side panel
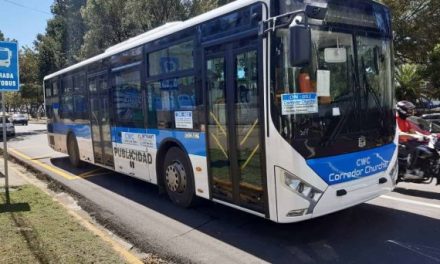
x: 83, y: 136
x: 131, y: 153
x: 135, y: 152
x: 57, y: 142
x: 194, y: 143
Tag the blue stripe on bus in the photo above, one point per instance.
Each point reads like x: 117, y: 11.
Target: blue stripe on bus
x: 194, y: 142
x: 80, y: 130
x: 353, y: 166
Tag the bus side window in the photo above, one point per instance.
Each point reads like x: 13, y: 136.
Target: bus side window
x: 80, y: 106
x: 173, y: 88
x: 127, y: 98
x: 66, y: 107
x: 165, y: 97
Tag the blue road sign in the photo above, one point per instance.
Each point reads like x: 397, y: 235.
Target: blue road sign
x: 9, y: 75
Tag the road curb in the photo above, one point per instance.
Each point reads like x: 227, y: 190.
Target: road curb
x: 55, y: 185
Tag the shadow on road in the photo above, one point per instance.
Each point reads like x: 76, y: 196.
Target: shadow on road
x: 419, y: 193
x: 20, y: 136
x: 64, y: 164
x: 362, y: 234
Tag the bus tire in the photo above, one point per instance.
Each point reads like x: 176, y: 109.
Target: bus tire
x: 73, y: 151
x: 178, y: 177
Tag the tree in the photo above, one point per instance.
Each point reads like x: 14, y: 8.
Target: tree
x: 13, y: 101
x: 432, y: 72
x: 416, y: 35
x: 60, y: 45
x: 107, y: 25
x: 31, y: 91
x: 111, y: 21
x: 197, y: 7
x: 409, y: 82
x: 2, y: 37
x: 415, y: 25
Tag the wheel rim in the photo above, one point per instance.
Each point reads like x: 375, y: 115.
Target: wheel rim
x: 176, y: 177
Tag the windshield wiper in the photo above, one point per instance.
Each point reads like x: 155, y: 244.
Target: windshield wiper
x: 368, y: 90
x: 354, y: 105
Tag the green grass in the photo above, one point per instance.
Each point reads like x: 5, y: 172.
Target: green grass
x: 36, y: 229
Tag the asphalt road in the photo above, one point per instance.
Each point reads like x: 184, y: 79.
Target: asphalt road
x: 402, y: 227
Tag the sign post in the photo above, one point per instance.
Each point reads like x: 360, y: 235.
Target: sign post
x: 9, y: 82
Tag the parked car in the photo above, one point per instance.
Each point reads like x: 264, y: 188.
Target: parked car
x: 434, y: 117
x: 10, y: 129
x: 20, y: 119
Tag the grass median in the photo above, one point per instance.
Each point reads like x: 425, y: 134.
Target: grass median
x: 36, y: 229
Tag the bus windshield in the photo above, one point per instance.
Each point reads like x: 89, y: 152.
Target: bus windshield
x: 342, y: 101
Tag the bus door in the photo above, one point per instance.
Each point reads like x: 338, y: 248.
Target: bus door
x: 235, y: 148
x: 100, y: 119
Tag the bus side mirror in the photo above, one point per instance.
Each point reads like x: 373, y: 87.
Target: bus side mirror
x: 300, y: 45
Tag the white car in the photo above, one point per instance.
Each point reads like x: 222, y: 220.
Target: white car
x: 5, y: 57
x: 10, y: 129
x: 19, y: 119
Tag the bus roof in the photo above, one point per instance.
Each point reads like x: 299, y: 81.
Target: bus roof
x: 157, y: 33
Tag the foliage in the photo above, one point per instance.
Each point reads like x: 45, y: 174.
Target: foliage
x: 31, y: 89
x: 196, y: 7
x: 415, y: 24
x: 409, y: 81
x: 81, y: 28
x: 107, y: 25
x: 61, y: 44
x: 433, y: 71
x: 110, y: 21
x: 3, y: 38
x: 30, y: 95
x: 416, y: 41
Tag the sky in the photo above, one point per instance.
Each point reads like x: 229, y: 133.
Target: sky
x: 24, y: 19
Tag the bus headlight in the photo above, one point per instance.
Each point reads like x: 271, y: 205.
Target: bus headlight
x: 302, y: 188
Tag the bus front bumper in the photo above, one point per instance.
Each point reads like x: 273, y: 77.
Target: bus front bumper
x: 334, y: 198
x: 342, y: 196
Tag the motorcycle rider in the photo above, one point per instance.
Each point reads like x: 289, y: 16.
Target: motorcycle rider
x: 405, y: 109
x: 407, y: 135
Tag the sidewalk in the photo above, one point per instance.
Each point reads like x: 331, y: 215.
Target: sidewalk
x: 15, y: 179
x: 38, y: 226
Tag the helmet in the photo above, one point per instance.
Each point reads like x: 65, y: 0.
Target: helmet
x: 405, y: 109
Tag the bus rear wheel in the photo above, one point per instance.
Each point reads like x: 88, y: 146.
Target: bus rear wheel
x: 73, y: 151
x: 178, y: 177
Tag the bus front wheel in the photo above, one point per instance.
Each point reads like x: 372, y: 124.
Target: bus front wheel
x: 73, y: 151
x: 178, y: 177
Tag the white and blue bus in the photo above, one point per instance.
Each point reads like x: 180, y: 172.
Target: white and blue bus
x: 283, y: 109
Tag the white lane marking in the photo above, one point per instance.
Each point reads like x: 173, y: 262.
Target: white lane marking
x: 416, y: 249
x: 410, y: 201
